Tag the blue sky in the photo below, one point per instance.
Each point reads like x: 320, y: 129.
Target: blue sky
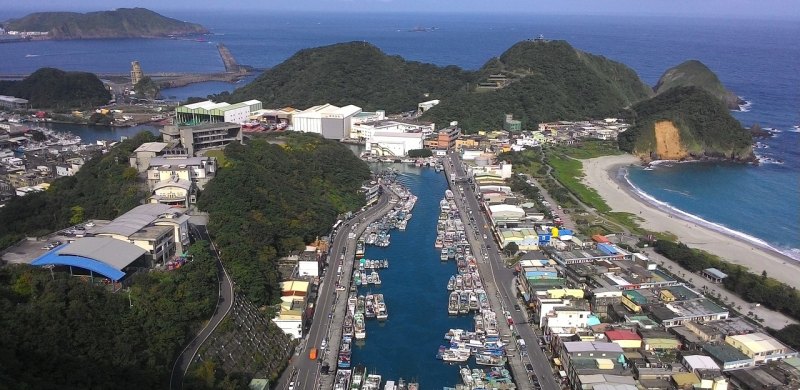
x: 739, y: 9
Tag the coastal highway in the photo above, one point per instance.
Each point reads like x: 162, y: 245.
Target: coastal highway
x: 304, y: 372
x: 501, y: 277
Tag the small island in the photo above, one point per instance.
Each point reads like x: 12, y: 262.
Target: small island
x: 120, y: 23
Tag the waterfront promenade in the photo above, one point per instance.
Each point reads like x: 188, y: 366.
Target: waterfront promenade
x: 302, y: 370
x: 499, y: 280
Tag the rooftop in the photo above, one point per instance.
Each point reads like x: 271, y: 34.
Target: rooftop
x: 134, y: 220
x: 622, y: 334
x: 591, y: 346
x: 725, y: 353
x: 758, y: 342
x: 154, y: 147
x: 104, y: 255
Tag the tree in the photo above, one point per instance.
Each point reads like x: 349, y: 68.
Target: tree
x: 146, y: 88
x: 511, y: 248
x: 77, y: 215
x: 420, y: 153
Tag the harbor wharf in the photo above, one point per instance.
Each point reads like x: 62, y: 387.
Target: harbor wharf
x: 302, y: 370
x: 498, y: 280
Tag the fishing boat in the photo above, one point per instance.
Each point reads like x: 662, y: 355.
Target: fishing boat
x: 474, y: 305
x: 358, y: 378
x: 370, y: 309
x: 376, y: 279
x: 490, y: 359
x: 456, y: 355
x: 380, y: 307
x: 359, y: 326
x: 342, y: 381
x: 344, y: 355
x: 451, y: 284
x: 452, y: 305
x: 357, y: 277
x: 372, y: 382
x: 360, y: 305
x: 352, y: 301
x: 463, y: 302
x: 347, y: 327
x: 443, y: 255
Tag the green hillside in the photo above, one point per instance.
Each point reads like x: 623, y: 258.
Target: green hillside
x: 54, y: 88
x: 547, y: 81
x: 120, y: 23
x: 695, y: 73
x: 706, y: 127
x: 352, y: 73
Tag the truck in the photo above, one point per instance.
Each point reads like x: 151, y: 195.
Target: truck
x: 312, y: 355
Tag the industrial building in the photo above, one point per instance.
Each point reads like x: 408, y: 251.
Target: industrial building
x: 760, y: 347
x: 210, y: 112
x: 330, y: 121
x: 13, y: 103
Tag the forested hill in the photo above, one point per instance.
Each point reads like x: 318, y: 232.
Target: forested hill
x: 273, y: 196
x: 55, y: 88
x: 120, y: 23
x: 685, y: 123
x: 352, y: 73
x: 695, y: 73
x: 544, y: 81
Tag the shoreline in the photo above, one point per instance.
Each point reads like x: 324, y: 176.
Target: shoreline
x: 603, y: 175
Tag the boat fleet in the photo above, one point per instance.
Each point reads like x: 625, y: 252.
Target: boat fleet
x: 467, y: 297
x: 369, y: 305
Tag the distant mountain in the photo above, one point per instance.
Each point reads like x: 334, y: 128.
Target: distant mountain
x: 541, y: 81
x: 685, y: 123
x: 535, y: 81
x: 695, y: 73
x: 352, y: 73
x: 120, y: 23
x: 54, y: 88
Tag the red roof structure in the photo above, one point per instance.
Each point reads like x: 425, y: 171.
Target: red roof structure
x: 622, y: 334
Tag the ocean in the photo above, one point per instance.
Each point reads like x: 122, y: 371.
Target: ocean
x: 757, y: 59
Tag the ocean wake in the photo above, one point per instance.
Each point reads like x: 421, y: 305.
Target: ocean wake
x: 793, y: 253
x: 746, y: 106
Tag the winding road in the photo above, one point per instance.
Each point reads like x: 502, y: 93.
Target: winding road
x: 224, y: 304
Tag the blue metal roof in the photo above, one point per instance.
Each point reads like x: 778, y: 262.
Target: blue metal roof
x: 53, y: 258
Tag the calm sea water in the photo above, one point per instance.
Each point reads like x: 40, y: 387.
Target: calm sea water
x: 755, y: 58
x: 414, y: 288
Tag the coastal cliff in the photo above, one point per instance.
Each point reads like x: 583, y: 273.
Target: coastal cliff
x: 695, y: 73
x: 120, y: 23
x: 685, y: 123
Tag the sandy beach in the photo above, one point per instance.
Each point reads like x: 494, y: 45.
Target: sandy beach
x: 601, y: 174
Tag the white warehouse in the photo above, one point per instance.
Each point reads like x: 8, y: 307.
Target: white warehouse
x: 330, y: 121
x: 391, y: 143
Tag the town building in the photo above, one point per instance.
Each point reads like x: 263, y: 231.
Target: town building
x: 512, y: 125
x: 291, y: 316
x: 136, y: 73
x: 760, y: 347
x: 198, y: 138
x: 445, y: 139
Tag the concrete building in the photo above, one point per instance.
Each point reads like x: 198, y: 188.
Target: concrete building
x: 760, y: 347
x: 425, y: 106
x: 445, y: 139
x: 157, y: 228
x: 198, y: 170
x: 330, y: 121
x: 627, y: 339
x: 390, y: 143
x: 290, y: 318
x: 70, y: 167
x: 136, y: 73
x: 198, y: 138
x: 589, y: 364
x: 512, y: 125
x: 728, y: 357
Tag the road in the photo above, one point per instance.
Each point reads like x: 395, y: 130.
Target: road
x: 502, y: 279
x: 302, y: 370
x: 224, y: 303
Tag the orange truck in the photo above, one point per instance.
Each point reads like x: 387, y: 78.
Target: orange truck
x: 312, y: 354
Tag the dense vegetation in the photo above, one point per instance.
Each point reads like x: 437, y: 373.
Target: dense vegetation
x: 104, y: 188
x: 276, y: 195
x: 146, y: 88
x: 695, y: 73
x: 55, y: 88
x: 550, y: 81
x: 351, y: 73
x: 751, y: 287
x: 120, y: 23
x: 706, y: 126
x: 67, y: 333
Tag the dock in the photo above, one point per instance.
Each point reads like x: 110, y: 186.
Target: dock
x: 231, y: 66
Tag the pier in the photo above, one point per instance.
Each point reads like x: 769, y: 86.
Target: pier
x: 233, y: 73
